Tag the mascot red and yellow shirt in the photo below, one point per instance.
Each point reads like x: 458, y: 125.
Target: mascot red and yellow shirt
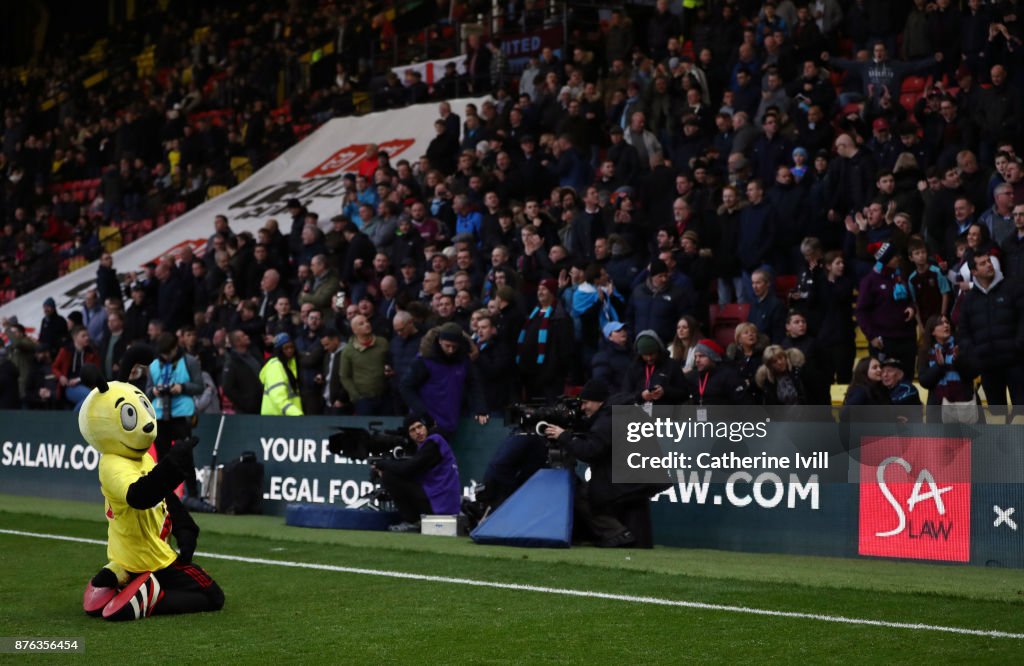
x: 136, y: 538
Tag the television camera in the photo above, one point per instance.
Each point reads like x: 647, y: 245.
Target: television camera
x: 532, y: 417
x: 372, y: 443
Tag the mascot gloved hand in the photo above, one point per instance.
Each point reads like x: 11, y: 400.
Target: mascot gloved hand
x: 144, y: 576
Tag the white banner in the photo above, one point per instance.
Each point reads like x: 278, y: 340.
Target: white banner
x: 432, y: 71
x: 310, y: 171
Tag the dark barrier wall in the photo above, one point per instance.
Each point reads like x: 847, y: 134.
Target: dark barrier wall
x: 42, y: 454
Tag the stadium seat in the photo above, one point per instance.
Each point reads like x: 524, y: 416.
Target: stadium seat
x: 723, y: 319
x: 241, y: 167
x: 110, y: 237
x: 728, y: 314
x: 783, y: 285
x: 214, y: 191
x: 908, y: 100
x: 860, y: 340
x: 914, y: 84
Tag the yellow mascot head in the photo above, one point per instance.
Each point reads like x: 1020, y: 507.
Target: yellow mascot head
x: 116, y: 417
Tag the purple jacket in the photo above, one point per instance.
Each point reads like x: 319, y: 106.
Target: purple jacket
x: 879, y: 313
x: 441, y: 482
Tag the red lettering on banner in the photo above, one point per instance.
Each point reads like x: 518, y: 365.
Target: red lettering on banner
x: 915, y: 498
x: 339, y: 160
x: 349, y: 156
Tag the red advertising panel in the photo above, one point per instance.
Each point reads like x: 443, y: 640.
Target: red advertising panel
x: 915, y: 498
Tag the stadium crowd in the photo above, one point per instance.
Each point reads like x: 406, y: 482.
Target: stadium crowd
x: 701, y: 208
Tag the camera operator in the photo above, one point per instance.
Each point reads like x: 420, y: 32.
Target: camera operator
x: 174, y: 378
x: 427, y: 482
x: 618, y: 514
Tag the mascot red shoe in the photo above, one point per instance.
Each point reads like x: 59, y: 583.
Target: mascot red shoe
x: 144, y: 576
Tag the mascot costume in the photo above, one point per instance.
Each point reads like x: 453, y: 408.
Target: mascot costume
x: 144, y: 576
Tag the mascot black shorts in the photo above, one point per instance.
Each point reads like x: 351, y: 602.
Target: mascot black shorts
x: 188, y: 589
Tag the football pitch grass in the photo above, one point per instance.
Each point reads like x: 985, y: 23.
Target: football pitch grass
x: 299, y: 595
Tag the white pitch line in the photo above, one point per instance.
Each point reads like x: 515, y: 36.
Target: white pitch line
x: 654, y: 601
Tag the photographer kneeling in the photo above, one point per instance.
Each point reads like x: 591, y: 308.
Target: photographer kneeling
x: 618, y: 514
x: 427, y: 482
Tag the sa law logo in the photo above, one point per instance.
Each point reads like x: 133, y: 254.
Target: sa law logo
x: 915, y: 498
x: 348, y: 157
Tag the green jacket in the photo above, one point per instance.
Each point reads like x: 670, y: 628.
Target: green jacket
x: 23, y: 358
x: 362, y: 368
x: 278, y: 397
x: 323, y: 291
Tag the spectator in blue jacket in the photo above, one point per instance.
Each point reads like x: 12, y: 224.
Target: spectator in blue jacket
x: 467, y: 220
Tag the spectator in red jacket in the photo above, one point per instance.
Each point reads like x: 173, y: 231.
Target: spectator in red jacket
x: 69, y: 363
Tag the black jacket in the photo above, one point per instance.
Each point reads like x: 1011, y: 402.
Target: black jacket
x: 851, y: 182
x: 1013, y: 257
x: 594, y: 447
x: 611, y: 362
x: 496, y: 367
x: 721, y: 386
x: 54, y: 332
x: 9, y: 398
x: 990, y: 330
x: 336, y: 392
x: 665, y: 372
x: 241, y: 383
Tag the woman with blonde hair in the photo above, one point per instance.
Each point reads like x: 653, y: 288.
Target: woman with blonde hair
x: 779, y: 378
x: 745, y: 354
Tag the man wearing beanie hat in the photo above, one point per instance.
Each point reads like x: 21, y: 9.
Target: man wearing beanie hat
x: 657, y: 303
x: 427, y: 482
x: 711, y: 382
x: 653, y: 378
x: 901, y: 393
x: 550, y: 284
x: 440, y: 376
x: 54, y: 329
x: 885, y: 311
x: 618, y: 514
